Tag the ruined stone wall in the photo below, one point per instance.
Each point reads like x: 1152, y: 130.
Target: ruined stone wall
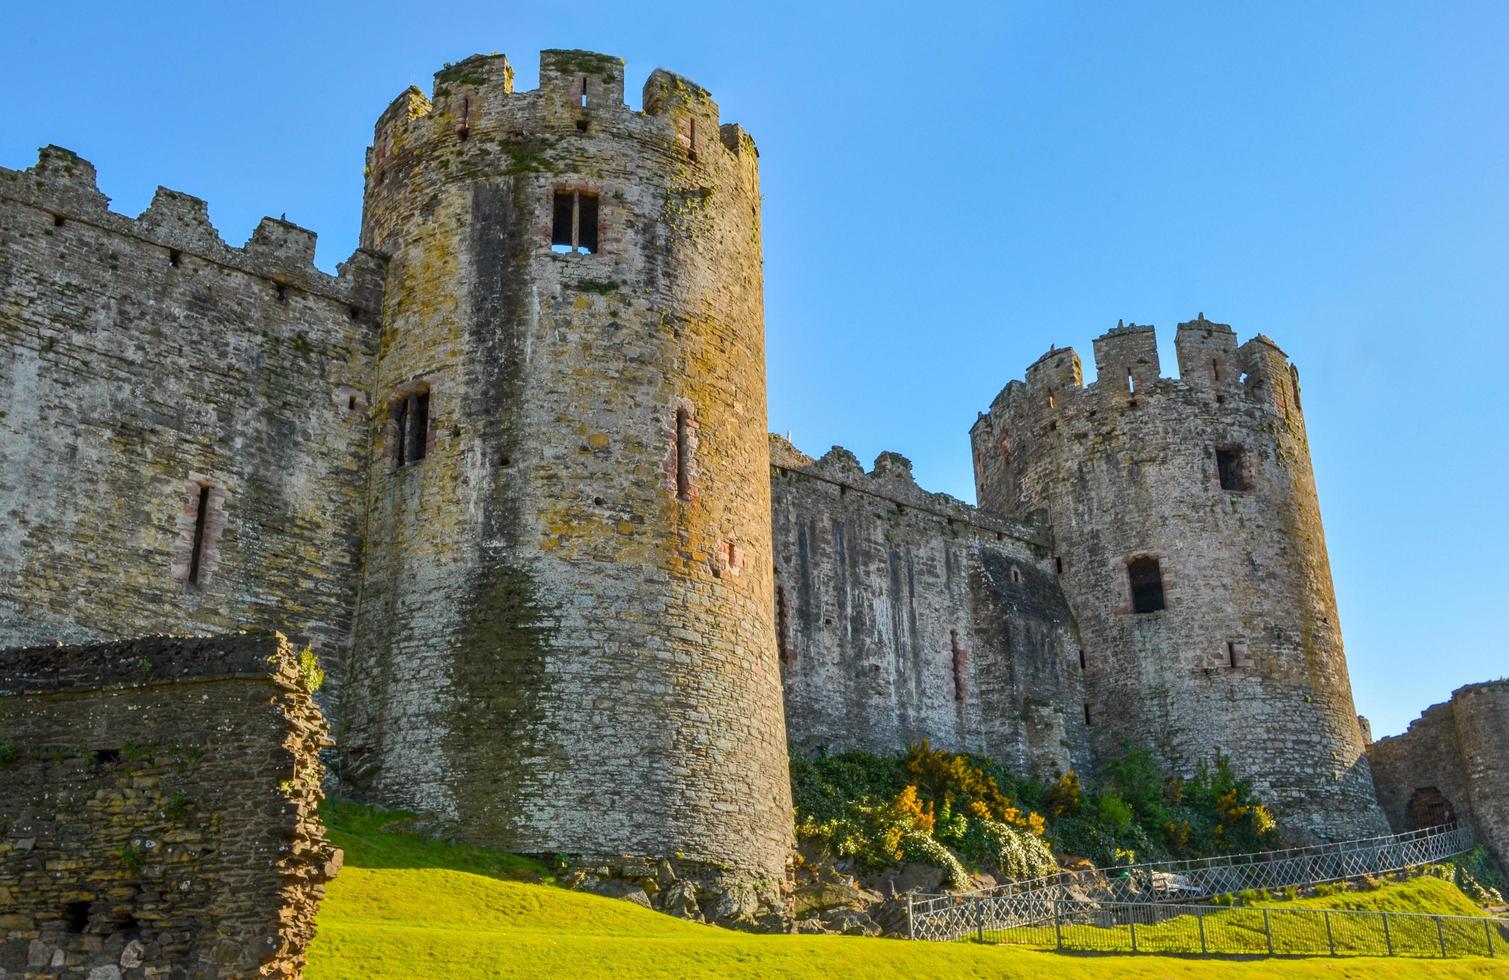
x: 1457, y: 752
x: 1246, y: 655
x: 142, y: 360
x: 903, y: 615
x: 1426, y: 757
x: 564, y: 647
x: 157, y: 809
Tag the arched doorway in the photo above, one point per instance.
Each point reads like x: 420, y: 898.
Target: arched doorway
x: 1427, y: 808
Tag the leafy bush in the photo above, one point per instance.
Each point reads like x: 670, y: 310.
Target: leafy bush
x: 960, y: 812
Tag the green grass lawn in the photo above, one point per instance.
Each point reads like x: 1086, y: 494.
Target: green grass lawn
x: 411, y: 908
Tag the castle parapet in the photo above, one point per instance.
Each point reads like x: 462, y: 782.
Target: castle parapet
x: 62, y: 187
x: 579, y: 93
x: 1126, y: 358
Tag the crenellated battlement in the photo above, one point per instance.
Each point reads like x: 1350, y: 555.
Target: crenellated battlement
x: 580, y: 92
x: 1212, y: 368
x: 62, y: 187
x: 891, y: 480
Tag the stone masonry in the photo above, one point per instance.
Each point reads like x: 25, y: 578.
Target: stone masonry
x: 143, y: 362
x: 158, y: 813
x: 1452, y: 763
x: 903, y: 615
x: 566, y: 638
x: 508, y: 473
x: 1201, y: 490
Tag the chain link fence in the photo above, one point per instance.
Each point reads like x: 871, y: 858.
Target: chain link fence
x: 952, y: 916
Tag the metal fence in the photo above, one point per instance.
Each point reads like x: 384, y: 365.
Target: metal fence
x: 1240, y: 931
x: 951, y: 916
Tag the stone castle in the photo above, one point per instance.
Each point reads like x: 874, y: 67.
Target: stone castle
x: 508, y: 474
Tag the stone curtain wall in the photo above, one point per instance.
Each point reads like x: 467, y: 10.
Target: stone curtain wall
x: 1246, y: 655
x: 566, y: 647
x: 1459, y: 748
x: 905, y: 615
x: 141, y: 360
x: 157, y: 809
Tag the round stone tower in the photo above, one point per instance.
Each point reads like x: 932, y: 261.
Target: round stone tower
x: 565, y: 640
x: 1188, y: 538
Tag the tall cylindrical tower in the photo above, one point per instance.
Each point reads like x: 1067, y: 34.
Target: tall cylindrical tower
x: 565, y: 640
x: 1188, y: 529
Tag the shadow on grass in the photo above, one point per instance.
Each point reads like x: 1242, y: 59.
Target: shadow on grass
x: 373, y: 837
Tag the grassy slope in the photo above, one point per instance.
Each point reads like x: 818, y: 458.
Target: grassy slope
x: 1434, y: 896
x: 404, y: 907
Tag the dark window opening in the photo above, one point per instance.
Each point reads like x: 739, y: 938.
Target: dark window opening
x: 1231, y: 654
x: 581, y: 125
x: 281, y: 291
x: 106, y: 757
x: 586, y: 234
x: 1058, y: 564
x: 561, y: 238
x: 174, y: 257
x: 1081, y: 659
x: 1087, y: 713
x: 76, y: 916
x: 57, y: 220
x: 351, y: 404
x: 583, y: 103
x: 1147, y: 585
x: 1231, y: 464
x: 1016, y: 575
x: 197, y: 555
x: 783, y: 628
x: 466, y: 119
x: 961, y: 666
x: 412, y: 429
x: 1215, y: 369
x: 683, y: 454
x: 573, y: 225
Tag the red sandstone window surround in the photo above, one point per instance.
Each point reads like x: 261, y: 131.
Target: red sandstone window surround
x: 681, y: 461
x: 200, y: 523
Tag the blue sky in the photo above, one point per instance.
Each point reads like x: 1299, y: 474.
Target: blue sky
x: 951, y: 188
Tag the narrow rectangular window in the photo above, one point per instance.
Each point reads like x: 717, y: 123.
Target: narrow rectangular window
x: 419, y: 425
x: 683, y: 454
x: 1081, y: 659
x: 196, y: 556
x: 1231, y: 464
x: 686, y: 135
x: 1215, y: 369
x: 783, y: 628
x: 1131, y: 383
x: 583, y: 103
x: 1231, y: 654
x: 561, y: 218
x: 400, y: 430
x: 573, y: 222
x: 586, y: 237
x: 1087, y: 713
x: 1058, y: 564
x: 1146, y: 580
